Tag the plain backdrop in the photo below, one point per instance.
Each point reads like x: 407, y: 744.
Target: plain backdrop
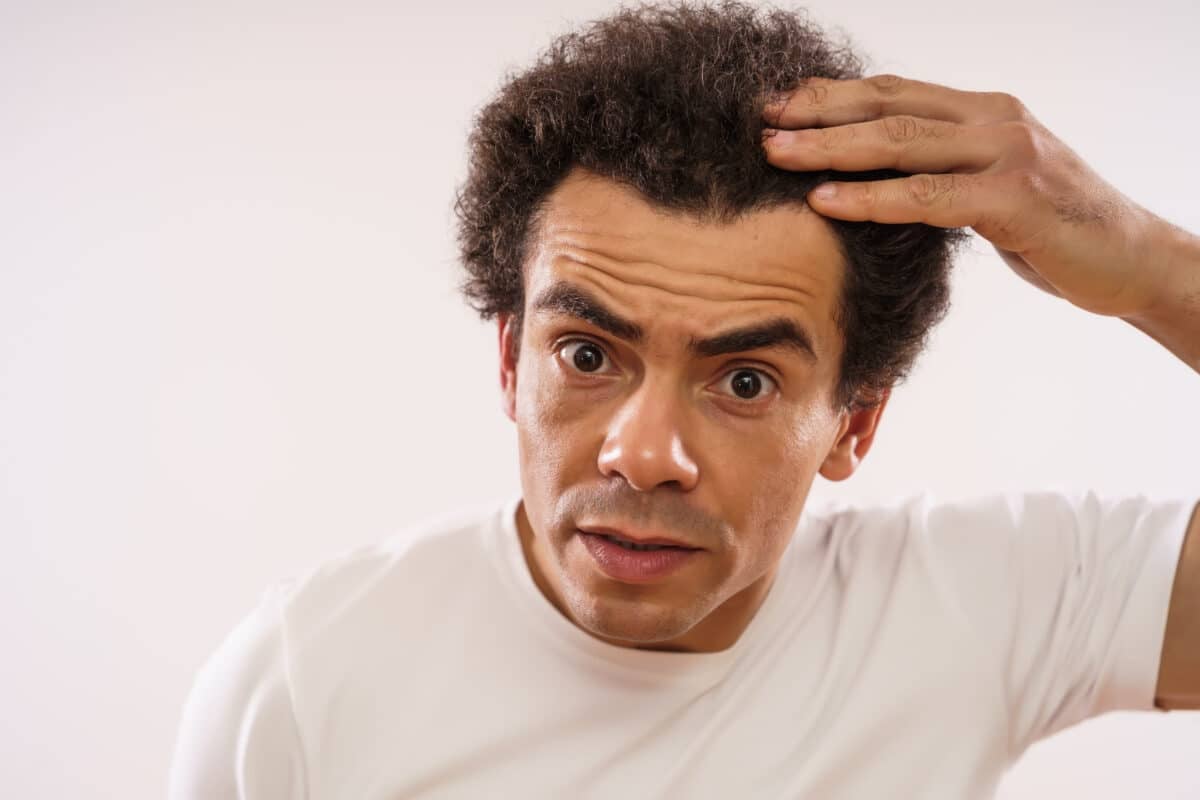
x: 231, y: 346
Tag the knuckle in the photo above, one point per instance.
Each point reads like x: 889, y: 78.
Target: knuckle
x: 816, y: 94
x: 831, y: 139
x: 1022, y: 138
x: 901, y: 129
x: 942, y: 130
x: 864, y: 193
x: 928, y: 189
x: 1008, y: 106
x: 886, y: 84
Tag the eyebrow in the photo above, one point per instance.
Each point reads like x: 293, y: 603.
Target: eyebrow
x: 782, y: 333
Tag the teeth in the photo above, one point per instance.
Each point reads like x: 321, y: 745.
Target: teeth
x: 632, y: 546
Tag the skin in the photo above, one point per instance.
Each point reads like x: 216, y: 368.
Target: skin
x: 981, y: 160
x: 656, y: 438
x: 656, y: 444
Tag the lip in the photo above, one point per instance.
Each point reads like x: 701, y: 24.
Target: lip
x: 634, y: 566
x: 637, y: 537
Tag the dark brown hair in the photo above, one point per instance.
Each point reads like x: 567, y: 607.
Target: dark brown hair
x: 667, y: 99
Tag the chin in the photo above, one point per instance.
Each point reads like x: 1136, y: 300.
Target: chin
x: 629, y: 619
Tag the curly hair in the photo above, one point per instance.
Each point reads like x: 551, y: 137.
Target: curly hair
x: 668, y: 99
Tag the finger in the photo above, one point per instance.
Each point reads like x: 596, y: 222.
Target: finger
x: 944, y: 200
x: 822, y: 102
x: 904, y: 143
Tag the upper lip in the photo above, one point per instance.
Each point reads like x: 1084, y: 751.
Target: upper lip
x: 637, y: 537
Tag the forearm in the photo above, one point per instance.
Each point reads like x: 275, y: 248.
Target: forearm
x: 1174, y: 319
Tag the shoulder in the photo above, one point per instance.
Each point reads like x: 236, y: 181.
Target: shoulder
x: 242, y: 722
x: 989, y: 553
x: 238, y: 729
x: 411, y: 567
x: 997, y: 521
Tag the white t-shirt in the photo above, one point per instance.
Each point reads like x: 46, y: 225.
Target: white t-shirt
x: 909, y: 649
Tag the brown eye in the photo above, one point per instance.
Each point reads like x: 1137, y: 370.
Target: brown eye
x: 748, y: 384
x: 585, y: 356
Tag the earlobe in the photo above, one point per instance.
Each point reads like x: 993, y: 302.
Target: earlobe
x: 855, y: 435
x: 843, y: 459
x: 508, y: 367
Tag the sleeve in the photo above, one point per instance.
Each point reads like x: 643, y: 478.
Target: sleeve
x: 1068, y: 593
x: 238, y: 738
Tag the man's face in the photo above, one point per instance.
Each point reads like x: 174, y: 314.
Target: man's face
x: 665, y: 387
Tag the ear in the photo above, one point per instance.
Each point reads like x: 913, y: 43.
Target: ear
x: 855, y: 434
x: 508, y: 366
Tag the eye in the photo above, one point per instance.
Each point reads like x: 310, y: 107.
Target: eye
x: 582, y: 355
x: 748, y: 384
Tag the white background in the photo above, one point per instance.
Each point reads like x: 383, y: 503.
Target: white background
x: 230, y: 344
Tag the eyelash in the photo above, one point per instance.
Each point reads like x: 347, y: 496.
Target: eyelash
x: 768, y: 378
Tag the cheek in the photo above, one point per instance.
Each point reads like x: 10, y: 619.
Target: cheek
x: 549, y: 427
x: 771, y: 479
x: 543, y: 401
x: 761, y: 455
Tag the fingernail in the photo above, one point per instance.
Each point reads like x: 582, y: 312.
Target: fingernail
x: 825, y: 191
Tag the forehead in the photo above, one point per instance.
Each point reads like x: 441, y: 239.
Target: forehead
x: 677, y: 276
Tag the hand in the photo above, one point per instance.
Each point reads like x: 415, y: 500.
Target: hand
x: 982, y: 161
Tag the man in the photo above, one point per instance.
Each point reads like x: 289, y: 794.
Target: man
x: 688, y: 335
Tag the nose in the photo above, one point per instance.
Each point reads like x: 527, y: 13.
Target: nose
x: 644, y: 444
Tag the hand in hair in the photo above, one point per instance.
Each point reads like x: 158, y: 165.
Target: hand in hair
x: 981, y: 160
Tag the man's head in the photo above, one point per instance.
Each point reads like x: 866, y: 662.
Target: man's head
x: 684, y: 343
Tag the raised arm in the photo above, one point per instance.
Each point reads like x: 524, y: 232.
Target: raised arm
x: 1173, y: 318
x: 982, y: 160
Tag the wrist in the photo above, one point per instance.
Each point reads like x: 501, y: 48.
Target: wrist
x: 1172, y: 312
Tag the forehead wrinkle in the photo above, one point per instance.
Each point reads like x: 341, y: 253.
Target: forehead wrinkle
x: 762, y: 246
x: 655, y: 276
x: 700, y: 335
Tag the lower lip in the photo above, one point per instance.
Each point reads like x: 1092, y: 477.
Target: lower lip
x: 635, y: 566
